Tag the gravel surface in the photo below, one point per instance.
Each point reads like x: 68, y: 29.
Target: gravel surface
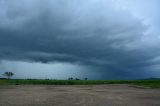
x: 78, y: 95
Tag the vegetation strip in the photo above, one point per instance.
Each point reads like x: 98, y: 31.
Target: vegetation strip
x: 145, y: 83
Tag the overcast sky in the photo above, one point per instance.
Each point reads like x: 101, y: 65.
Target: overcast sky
x: 98, y: 39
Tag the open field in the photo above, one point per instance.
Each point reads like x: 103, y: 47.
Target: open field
x: 78, y: 95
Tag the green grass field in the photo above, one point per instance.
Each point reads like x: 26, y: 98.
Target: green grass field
x: 143, y: 83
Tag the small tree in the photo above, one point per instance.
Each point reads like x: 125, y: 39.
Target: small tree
x: 8, y: 74
x: 85, y: 78
x: 70, y: 78
x: 77, y: 79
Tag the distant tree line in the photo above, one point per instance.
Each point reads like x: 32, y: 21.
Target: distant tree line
x: 10, y: 74
x: 70, y: 78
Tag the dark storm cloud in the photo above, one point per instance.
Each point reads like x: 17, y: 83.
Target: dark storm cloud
x: 84, y: 32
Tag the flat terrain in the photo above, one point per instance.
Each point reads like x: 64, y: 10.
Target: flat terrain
x: 78, y: 95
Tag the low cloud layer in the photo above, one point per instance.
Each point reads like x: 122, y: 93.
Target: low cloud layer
x: 96, y: 33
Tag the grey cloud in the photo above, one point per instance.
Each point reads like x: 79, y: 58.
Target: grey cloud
x: 84, y: 32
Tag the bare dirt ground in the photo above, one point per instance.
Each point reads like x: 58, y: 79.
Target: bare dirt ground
x: 78, y: 95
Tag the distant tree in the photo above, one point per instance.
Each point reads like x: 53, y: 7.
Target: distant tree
x: 85, y: 78
x: 77, y: 79
x: 70, y: 78
x: 8, y: 74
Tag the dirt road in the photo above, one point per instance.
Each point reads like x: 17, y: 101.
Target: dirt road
x: 78, y: 95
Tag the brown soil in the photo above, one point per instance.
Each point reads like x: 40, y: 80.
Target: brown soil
x: 78, y: 95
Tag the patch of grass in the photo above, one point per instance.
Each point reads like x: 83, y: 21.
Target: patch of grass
x: 148, y: 83
x: 145, y: 83
x: 4, y: 82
